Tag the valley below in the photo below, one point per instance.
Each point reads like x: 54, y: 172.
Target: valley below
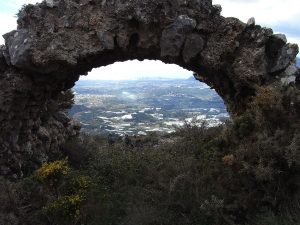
x: 137, y: 107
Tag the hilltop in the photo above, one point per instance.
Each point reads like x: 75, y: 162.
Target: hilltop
x: 245, y: 171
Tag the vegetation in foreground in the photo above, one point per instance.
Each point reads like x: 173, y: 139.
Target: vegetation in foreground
x: 246, y: 172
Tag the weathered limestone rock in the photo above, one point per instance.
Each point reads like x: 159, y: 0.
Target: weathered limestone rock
x: 193, y: 46
x: 59, y: 40
x: 52, y: 3
x: 18, y: 43
x: 251, y: 22
x: 280, y: 53
x: 284, y: 57
x: 43, y: 134
x: 288, y: 80
x: 173, y: 37
x: 106, y: 39
x: 291, y: 70
x: 280, y: 37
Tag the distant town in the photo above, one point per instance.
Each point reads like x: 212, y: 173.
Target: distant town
x: 137, y: 107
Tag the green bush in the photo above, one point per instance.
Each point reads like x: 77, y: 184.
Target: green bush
x: 269, y: 218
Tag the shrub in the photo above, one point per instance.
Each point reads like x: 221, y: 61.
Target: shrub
x: 53, y: 171
x: 244, y: 125
x: 58, y: 192
x: 270, y: 218
x: 267, y: 98
x: 64, y: 208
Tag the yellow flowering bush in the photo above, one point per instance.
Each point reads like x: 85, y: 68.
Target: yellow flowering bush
x: 67, y: 193
x: 81, y: 183
x: 53, y: 170
x: 65, y: 206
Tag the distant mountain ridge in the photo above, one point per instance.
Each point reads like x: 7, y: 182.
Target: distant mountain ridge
x: 298, y: 62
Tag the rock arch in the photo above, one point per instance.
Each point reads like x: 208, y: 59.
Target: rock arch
x: 59, y: 40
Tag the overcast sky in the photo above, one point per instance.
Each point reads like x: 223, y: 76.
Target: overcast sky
x: 280, y: 15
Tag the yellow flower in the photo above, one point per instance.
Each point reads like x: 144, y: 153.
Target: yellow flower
x: 53, y: 170
x: 82, y: 182
x: 66, y: 205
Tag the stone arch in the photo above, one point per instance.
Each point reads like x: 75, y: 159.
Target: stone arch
x: 59, y: 40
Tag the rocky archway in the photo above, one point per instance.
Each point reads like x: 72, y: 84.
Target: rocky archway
x: 59, y: 40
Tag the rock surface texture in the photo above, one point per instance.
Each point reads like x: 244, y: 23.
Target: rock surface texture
x: 59, y: 40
